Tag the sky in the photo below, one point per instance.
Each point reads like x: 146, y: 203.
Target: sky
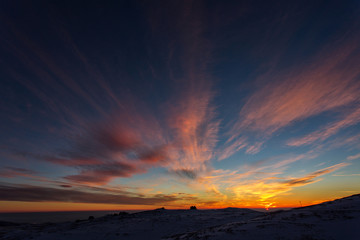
x: 110, y: 105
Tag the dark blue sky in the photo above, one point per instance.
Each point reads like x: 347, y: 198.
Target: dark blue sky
x: 241, y: 103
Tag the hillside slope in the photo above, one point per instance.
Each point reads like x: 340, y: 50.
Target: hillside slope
x: 339, y: 219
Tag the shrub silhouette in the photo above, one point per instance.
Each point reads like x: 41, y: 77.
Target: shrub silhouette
x: 193, y: 208
x: 123, y: 213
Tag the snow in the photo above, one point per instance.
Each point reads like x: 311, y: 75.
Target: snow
x: 339, y: 219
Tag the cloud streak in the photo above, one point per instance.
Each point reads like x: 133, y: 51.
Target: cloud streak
x: 313, y: 90
x: 101, y: 107
x: 104, y: 173
x: 128, y: 137
x: 12, y: 172
x: 328, y: 82
x: 191, y: 116
x: 353, y: 157
x: 310, y: 178
x: 28, y: 193
x: 261, y: 186
x: 329, y: 130
x: 118, y: 147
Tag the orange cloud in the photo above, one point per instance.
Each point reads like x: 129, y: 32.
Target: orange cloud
x: 261, y: 189
x: 310, y: 177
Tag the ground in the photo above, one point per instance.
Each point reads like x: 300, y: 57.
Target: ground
x: 339, y: 219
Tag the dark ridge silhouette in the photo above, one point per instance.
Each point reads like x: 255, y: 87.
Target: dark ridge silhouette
x: 162, y: 208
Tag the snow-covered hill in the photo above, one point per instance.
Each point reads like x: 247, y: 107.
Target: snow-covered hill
x: 339, y: 219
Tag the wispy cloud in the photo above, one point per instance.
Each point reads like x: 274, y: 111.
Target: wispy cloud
x: 118, y: 147
x: 103, y: 173
x: 311, y: 177
x: 255, y: 148
x: 11, y: 172
x: 191, y: 112
x: 349, y: 141
x: 308, y: 91
x: 353, y: 157
x: 347, y: 175
x: 98, y: 121
x: 261, y: 185
x: 329, y: 130
x: 29, y: 193
x: 124, y: 135
x: 185, y: 173
x: 232, y: 148
x: 326, y: 83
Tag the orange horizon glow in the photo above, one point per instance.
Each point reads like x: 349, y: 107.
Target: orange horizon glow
x: 19, y: 207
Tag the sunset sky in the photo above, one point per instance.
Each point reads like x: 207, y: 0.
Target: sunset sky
x: 144, y: 104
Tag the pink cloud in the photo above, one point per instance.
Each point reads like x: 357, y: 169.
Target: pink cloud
x: 132, y: 138
x: 195, y: 131
x: 328, y: 82
x: 349, y: 141
x: 353, y: 157
x: 232, y: 148
x: 191, y: 116
x: 254, y: 148
x: 111, y: 149
x: 104, y: 173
